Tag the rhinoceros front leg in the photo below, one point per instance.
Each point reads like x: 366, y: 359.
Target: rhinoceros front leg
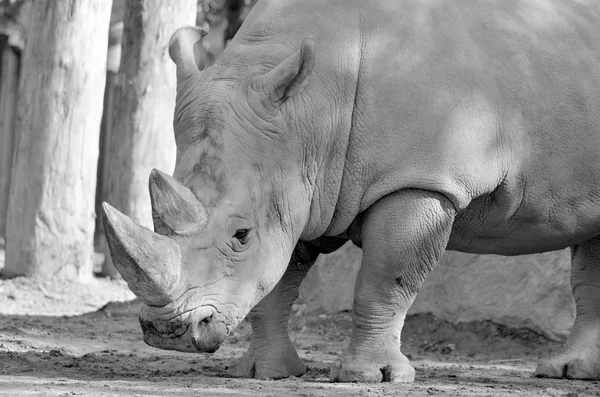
x: 271, y: 354
x: 580, y: 357
x: 403, y: 235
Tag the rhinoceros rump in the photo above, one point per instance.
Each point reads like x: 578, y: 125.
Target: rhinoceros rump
x: 407, y: 127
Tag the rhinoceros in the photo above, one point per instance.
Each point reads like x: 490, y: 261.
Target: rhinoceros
x: 407, y: 127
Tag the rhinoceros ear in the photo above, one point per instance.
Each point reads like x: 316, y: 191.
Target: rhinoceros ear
x: 291, y: 76
x: 185, y: 49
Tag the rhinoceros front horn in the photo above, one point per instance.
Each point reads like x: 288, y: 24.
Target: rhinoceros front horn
x: 185, y: 49
x: 150, y: 263
x: 175, y: 209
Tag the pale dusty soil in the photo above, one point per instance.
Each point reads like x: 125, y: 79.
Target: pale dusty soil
x: 56, y: 350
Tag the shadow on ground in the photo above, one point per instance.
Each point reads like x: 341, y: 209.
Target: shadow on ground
x: 101, y: 353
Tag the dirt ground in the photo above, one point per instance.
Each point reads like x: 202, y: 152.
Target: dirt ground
x: 66, y: 340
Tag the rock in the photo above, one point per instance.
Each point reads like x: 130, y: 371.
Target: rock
x: 531, y: 291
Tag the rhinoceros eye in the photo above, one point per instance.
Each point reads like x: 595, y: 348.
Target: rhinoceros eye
x: 241, y: 235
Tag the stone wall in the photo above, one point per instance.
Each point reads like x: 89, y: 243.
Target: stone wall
x: 530, y: 291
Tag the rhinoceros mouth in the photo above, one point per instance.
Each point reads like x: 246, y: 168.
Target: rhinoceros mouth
x: 175, y: 330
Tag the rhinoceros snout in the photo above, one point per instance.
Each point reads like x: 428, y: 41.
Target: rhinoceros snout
x: 196, y: 334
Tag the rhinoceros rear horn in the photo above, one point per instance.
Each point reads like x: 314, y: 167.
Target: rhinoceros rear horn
x: 150, y: 263
x: 175, y: 209
x: 185, y: 49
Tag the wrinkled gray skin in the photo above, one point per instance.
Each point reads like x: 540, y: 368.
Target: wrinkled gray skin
x: 407, y: 127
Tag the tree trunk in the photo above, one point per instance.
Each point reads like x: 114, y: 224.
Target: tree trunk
x: 51, y: 205
x: 235, y: 9
x: 112, y: 69
x: 9, y: 84
x: 142, y: 136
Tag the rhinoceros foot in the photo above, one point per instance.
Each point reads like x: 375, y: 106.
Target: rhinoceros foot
x: 390, y: 368
x: 565, y: 366
x: 580, y: 359
x: 273, y: 361
x: 571, y: 364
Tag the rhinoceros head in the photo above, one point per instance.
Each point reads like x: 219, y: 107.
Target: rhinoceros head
x: 226, y: 223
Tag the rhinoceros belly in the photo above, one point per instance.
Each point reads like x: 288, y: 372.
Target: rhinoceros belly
x: 529, y: 220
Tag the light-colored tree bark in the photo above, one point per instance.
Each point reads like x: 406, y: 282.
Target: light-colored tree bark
x: 9, y: 82
x: 51, y: 205
x: 142, y: 136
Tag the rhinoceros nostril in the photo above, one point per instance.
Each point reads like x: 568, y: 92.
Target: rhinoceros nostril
x: 207, y: 332
x: 206, y: 320
x: 148, y: 327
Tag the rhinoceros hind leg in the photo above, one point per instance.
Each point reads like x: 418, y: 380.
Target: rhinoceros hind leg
x: 271, y: 354
x: 402, y: 235
x: 580, y: 357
